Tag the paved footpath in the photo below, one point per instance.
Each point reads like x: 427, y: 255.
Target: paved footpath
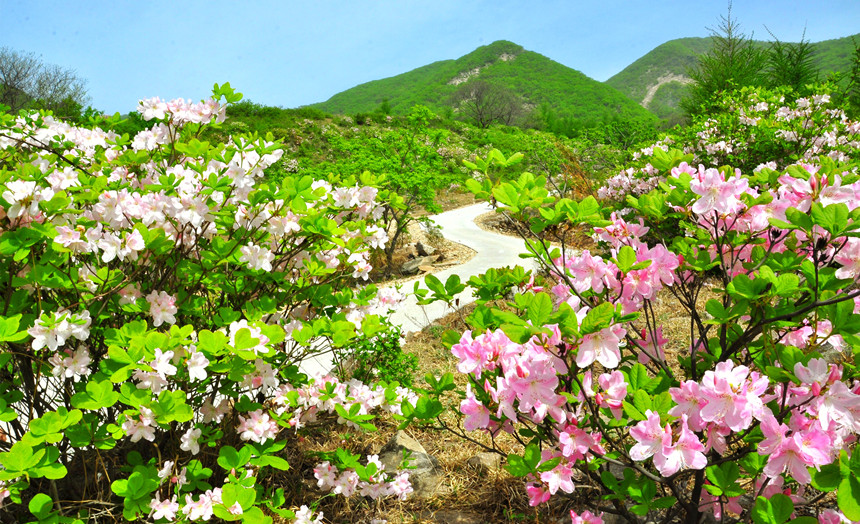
x: 458, y: 225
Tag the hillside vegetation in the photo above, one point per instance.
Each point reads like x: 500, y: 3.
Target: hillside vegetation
x: 536, y: 79
x: 664, y: 66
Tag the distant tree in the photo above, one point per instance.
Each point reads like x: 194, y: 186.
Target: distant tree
x: 486, y: 103
x: 27, y: 81
x: 790, y: 64
x: 734, y: 61
x: 384, y: 107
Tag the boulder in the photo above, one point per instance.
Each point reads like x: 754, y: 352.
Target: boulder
x: 485, y: 462
x: 413, y: 266
x: 426, y: 480
x: 424, y: 251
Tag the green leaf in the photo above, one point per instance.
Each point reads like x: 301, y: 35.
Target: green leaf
x: 827, y: 478
x: 626, y: 258
x: 273, y: 461
x: 229, y: 458
x: 516, y: 466
x: 540, y: 309
x: 848, y: 497
x: 98, y: 394
x: 597, y: 318
x: 638, y: 377
x: 631, y: 411
x: 9, y: 329
x: 775, y: 510
x: 41, y: 506
x: 508, y: 195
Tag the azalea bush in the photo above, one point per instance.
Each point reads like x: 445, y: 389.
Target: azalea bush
x: 157, y: 300
x: 753, y: 415
x: 754, y: 128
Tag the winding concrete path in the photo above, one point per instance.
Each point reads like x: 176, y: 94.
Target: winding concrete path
x: 492, y: 250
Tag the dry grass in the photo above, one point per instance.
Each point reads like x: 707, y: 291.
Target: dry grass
x: 466, y: 495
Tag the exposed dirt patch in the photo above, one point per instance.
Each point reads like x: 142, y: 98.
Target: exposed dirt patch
x: 450, y: 254
x: 573, y: 236
x: 665, y: 79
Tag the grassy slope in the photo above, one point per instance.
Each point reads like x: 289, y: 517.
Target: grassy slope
x: 674, y: 56
x: 533, y: 76
x: 677, y: 56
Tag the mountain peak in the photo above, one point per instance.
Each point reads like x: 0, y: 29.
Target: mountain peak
x: 533, y: 78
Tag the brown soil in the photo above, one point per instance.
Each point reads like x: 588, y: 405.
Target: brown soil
x: 573, y: 236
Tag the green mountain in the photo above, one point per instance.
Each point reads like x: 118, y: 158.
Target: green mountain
x: 534, y: 78
x: 657, y: 80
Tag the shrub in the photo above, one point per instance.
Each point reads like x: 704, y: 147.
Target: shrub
x: 380, y: 358
x: 158, y: 301
x: 742, y: 418
x: 753, y: 129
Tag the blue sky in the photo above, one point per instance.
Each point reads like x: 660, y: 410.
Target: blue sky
x: 290, y: 53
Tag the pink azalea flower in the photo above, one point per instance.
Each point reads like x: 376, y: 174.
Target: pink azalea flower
x: 257, y: 427
x: 586, y: 517
x: 615, y: 389
x: 788, y: 458
x: 688, y: 402
x: 649, y: 437
x: 652, y: 349
x: 163, y: 509
x: 538, y: 494
x: 559, y: 478
x: 602, y: 347
x: 188, y: 441
x: 162, y: 307
x: 717, y: 194
x: 477, y: 415
x: 849, y: 257
x: 686, y: 453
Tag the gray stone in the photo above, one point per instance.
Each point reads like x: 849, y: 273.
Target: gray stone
x: 425, y: 251
x: 453, y: 517
x: 412, y: 266
x: 485, y: 462
x: 834, y: 354
x: 426, y: 480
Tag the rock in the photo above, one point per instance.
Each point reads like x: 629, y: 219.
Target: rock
x: 425, y: 251
x: 426, y: 481
x: 485, y: 462
x: 617, y: 470
x: 453, y: 517
x: 413, y: 266
x: 834, y: 354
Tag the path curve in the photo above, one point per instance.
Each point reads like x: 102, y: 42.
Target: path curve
x: 492, y: 250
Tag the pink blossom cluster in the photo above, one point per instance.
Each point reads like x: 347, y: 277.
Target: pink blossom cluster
x: 721, y: 209
x: 631, y: 181
x: 348, y: 483
x: 824, y: 417
x: 115, y: 219
x: 74, y: 365
x: 54, y: 332
x: 520, y: 383
x: 258, y: 427
x: 322, y: 394
x: 813, y: 126
x: 586, y: 517
x: 585, y: 272
x: 520, y: 379
x: 718, y: 194
x: 179, y: 111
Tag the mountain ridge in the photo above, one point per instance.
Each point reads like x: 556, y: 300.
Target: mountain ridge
x: 536, y: 79
x: 675, y: 57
